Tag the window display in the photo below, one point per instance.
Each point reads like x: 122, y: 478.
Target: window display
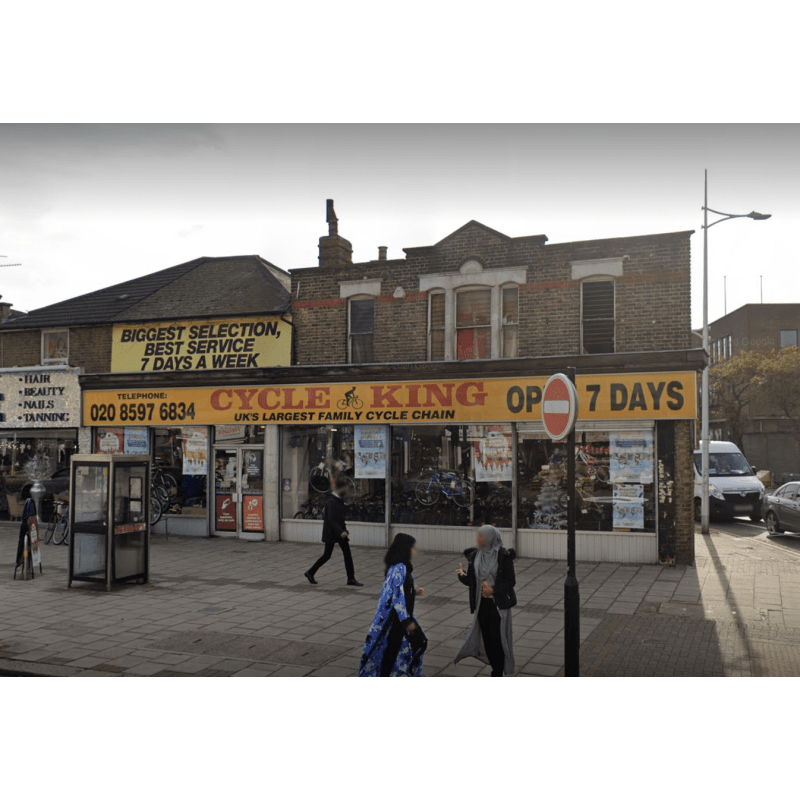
x: 455, y: 475
x: 312, y: 459
x: 131, y: 441
x: 610, y: 495
x: 182, y: 455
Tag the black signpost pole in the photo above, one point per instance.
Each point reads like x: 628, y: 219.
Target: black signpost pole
x: 572, y: 623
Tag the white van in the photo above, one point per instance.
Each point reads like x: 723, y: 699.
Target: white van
x: 733, y: 488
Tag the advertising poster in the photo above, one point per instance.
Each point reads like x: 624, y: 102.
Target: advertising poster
x: 109, y: 440
x: 136, y: 441
x: 36, y: 553
x: 195, y: 451
x: 252, y: 460
x: 628, y: 515
x: 370, y: 450
x: 253, y: 513
x: 227, y: 433
x: 492, y: 457
x: 631, y: 459
x: 226, y: 513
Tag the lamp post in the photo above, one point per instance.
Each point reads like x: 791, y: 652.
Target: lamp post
x: 704, y: 510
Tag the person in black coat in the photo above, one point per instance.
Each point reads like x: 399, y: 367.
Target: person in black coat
x: 491, y: 579
x: 334, y: 531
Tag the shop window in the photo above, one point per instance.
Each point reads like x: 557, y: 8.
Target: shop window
x: 55, y: 346
x: 362, y: 331
x: 28, y: 454
x: 313, y: 457
x: 614, y: 474
x: 788, y: 338
x: 474, y: 324
x: 454, y: 475
x: 182, y: 453
x: 510, y: 319
x: 597, y: 316
x: 436, y: 334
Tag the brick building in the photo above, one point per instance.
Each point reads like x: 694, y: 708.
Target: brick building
x: 768, y: 441
x: 504, y: 313
x: 210, y: 316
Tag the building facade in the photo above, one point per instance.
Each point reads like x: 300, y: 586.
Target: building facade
x: 210, y: 316
x: 769, y: 440
x: 437, y: 361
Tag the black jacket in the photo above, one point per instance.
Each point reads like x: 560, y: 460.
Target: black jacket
x: 333, y: 522
x: 504, y: 584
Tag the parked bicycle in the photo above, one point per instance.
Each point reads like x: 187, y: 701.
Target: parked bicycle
x: 57, y: 530
x: 430, y: 490
x: 163, y: 486
x: 322, y: 477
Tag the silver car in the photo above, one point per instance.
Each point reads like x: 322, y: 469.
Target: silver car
x: 782, y: 509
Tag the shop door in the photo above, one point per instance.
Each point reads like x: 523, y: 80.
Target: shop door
x: 239, y: 500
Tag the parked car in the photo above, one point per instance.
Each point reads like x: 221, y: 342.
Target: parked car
x: 733, y: 488
x: 56, y: 484
x: 782, y: 509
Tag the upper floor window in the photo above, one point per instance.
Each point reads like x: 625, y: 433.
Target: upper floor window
x: 788, y: 338
x: 510, y: 319
x: 436, y: 333
x: 474, y: 324
x: 362, y: 330
x: 55, y: 346
x: 597, y: 316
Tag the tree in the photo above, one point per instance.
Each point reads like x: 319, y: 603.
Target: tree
x: 780, y: 387
x: 735, y: 385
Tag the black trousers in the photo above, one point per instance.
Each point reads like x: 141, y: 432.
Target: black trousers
x: 489, y: 622
x: 394, y: 641
x: 326, y: 557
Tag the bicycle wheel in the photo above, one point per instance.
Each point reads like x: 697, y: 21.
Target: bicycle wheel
x: 169, y: 483
x: 463, y: 493
x: 62, y: 530
x: 160, y: 493
x: 156, y: 509
x: 342, y: 404
x: 357, y: 404
x: 428, y: 493
x: 319, y: 480
x: 51, y: 526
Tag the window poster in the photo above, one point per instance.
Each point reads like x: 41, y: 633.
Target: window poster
x: 631, y: 458
x: 253, y: 513
x: 109, y: 440
x: 629, y: 505
x: 492, y: 457
x: 195, y: 451
x: 370, y: 451
x: 137, y: 441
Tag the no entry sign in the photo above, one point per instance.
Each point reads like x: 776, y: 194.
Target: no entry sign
x: 559, y: 406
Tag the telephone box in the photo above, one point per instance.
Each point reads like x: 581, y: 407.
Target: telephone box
x: 109, y: 513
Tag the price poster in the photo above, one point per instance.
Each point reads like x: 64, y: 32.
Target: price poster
x: 370, y: 451
x: 492, y: 457
x: 195, y: 451
x: 253, y: 513
x: 631, y: 458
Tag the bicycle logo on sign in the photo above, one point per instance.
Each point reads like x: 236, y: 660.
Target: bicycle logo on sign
x: 350, y: 400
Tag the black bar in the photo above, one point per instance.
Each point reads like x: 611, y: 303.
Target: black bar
x: 572, y: 623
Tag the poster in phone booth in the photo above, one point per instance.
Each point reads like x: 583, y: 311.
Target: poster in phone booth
x: 226, y: 513
x: 253, y: 513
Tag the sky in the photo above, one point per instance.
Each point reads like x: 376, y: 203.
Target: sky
x: 86, y: 206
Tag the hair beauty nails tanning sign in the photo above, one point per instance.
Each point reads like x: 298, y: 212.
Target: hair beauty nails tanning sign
x: 188, y: 345
x: 602, y: 397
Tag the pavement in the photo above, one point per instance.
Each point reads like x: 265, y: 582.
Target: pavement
x: 222, y: 607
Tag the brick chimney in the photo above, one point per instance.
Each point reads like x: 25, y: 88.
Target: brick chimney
x: 334, y: 251
x: 382, y: 253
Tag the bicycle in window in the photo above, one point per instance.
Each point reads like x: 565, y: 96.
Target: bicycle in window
x: 445, y: 484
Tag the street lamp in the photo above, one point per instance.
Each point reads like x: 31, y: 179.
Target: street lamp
x: 704, y: 434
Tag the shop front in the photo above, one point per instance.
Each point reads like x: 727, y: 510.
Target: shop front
x: 39, y: 431
x: 436, y: 458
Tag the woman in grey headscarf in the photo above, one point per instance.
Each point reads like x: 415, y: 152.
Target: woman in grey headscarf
x: 490, y: 578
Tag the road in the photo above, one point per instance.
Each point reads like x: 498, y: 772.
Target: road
x: 741, y: 527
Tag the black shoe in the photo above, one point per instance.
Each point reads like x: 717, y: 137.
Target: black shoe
x: 354, y: 582
x: 310, y: 577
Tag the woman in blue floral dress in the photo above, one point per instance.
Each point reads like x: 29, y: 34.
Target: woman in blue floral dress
x: 395, y: 643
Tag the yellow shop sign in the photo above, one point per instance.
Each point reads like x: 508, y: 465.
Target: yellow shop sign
x: 188, y: 345
x: 646, y: 396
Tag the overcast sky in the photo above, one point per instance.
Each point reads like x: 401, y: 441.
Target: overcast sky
x: 83, y: 207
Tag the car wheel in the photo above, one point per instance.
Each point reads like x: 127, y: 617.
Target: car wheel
x: 773, y: 526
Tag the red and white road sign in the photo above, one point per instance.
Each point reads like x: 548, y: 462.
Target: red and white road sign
x: 559, y: 406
